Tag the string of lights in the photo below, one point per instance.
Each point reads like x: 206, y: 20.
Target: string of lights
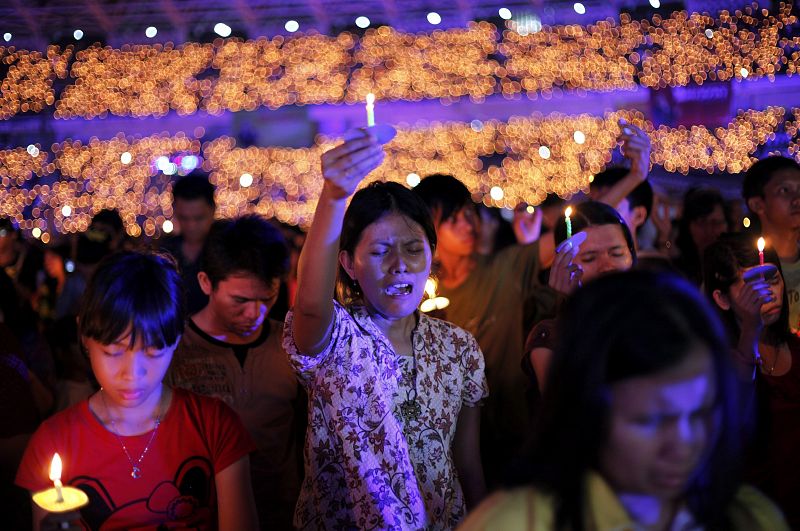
x: 474, y: 62
x: 60, y: 189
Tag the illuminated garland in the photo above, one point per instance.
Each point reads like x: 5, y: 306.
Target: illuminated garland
x: 475, y: 62
x: 556, y: 153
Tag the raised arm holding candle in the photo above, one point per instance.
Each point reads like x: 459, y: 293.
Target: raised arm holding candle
x: 375, y: 253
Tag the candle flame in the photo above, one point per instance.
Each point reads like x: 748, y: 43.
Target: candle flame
x: 55, y: 468
x: 568, y: 211
x: 430, y: 287
x: 761, y: 244
x: 370, y: 99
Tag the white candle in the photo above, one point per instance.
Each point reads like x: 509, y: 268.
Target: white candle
x: 59, y: 499
x: 55, y: 477
x: 370, y: 109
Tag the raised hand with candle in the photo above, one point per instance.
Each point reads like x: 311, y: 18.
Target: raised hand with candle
x: 755, y: 308
x: 635, y: 146
x: 601, y: 244
x: 379, y: 361
x: 136, y: 440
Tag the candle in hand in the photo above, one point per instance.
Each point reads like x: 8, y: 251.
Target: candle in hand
x: 370, y: 109
x: 59, y: 499
x: 567, y: 214
x: 761, y: 243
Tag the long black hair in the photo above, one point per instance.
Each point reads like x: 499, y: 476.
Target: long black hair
x: 723, y: 261
x: 697, y: 203
x: 620, y: 326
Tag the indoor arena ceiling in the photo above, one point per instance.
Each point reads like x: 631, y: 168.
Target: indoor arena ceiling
x: 34, y: 24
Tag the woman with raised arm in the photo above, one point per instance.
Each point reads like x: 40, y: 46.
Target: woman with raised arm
x: 392, y: 440
x: 753, y: 302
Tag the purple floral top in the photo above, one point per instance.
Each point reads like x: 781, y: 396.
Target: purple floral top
x: 368, y: 466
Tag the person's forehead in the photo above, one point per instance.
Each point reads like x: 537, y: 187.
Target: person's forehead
x: 191, y: 206
x: 784, y: 176
x: 716, y: 212
x: 244, y: 282
x: 604, y: 234
x: 393, y: 227
x: 686, y: 385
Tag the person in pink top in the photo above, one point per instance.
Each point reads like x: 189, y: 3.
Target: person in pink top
x: 393, y: 429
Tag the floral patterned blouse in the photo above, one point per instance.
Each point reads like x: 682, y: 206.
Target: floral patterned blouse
x: 374, y: 458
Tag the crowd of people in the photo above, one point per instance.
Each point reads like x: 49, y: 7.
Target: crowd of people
x: 588, y: 373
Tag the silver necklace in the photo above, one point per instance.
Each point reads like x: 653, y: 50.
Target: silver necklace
x: 136, y: 468
x: 410, y: 408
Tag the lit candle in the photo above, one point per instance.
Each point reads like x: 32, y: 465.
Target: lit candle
x: 567, y: 214
x: 761, y: 244
x: 59, y: 499
x: 55, y: 477
x: 433, y: 302
x: 430, y: 287
x: 370, y: 109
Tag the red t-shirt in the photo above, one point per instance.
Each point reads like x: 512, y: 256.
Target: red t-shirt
x: 198, y: 437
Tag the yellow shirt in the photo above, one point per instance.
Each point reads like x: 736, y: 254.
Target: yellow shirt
x: 527, y: 509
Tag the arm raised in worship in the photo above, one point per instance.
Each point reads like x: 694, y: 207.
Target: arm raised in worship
x: 343, y: 168
x: 636, y: 148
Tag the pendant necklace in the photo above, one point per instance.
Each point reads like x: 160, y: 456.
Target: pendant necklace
x: 136, y: 467
x: 767, y: 369
x: 410, y: 409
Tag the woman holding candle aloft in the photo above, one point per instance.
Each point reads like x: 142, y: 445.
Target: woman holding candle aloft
x: 392, y: 441
x: 599, y: 243
x: 146, y: 455
x: 753, y: 302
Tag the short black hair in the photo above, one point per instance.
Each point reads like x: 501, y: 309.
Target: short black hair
x: 371, y: 203
x: 642, y: 195
x: 194, y: 187
x: 760, y: 173
x: 552, y: 200
x: 444, y: 195
x: 137, y: 292
x: 110, y: 217
x: 247, y: 244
